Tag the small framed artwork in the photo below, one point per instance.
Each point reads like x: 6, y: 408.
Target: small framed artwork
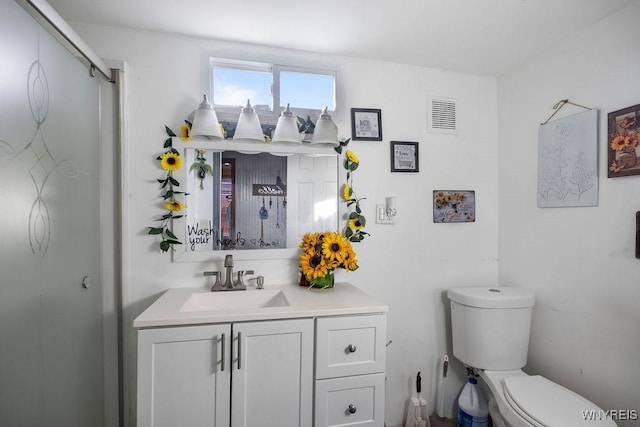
x: 404, y: 156
x: 454, y: 206
x: 623, y: 131
x: 366, y: 124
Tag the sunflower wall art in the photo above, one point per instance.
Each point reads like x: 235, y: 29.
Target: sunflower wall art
x: 622, y: 139
x: 454, y: 206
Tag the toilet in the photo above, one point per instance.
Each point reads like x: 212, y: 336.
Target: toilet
x: 490, y: 331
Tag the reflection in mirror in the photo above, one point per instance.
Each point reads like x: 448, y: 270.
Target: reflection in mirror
x: 257, y: 201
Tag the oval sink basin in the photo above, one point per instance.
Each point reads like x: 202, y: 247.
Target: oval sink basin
x: 234, y: 300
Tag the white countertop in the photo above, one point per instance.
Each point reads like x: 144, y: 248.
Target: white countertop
x: 342, y: 299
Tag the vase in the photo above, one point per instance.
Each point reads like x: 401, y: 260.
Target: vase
x: 628, y: 158
x: 325, y: 282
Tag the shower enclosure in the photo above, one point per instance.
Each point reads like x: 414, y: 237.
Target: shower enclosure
x: 59, y: 346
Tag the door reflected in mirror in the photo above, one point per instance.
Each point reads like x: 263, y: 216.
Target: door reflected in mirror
x: 257, y: 201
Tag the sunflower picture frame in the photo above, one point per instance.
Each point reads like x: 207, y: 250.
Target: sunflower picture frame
x: 623, y: 147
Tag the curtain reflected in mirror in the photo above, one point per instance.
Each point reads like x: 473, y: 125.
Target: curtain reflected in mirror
x: 242, y: 201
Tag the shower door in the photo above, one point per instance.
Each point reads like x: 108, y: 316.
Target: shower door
x: 51, y: 296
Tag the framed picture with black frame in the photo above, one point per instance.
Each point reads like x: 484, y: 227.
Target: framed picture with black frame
x: 404, y: 156
x: 366, y: 124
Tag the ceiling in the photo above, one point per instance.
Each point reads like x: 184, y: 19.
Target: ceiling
x: 485, y: 37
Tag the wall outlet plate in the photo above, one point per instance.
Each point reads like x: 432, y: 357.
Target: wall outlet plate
x: 381, y: 215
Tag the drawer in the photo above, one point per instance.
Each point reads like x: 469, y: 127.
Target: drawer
x: 351, y: 345
x: 350, y: 401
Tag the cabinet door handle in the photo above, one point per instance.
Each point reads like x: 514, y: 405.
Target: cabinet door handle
x: 223, y: 352
x: 352, y: 408
x: 351, y: 348
x: 239, y: 347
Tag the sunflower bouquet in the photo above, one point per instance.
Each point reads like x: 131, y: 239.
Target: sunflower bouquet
x: 322, y: 254
x: 170, y: 161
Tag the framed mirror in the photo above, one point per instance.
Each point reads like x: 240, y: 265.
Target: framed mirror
x: 255, y: 204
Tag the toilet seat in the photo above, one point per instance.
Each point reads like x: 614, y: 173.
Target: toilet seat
x: 544, y: 403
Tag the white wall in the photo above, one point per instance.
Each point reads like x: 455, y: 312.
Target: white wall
x: 406, y: 265
x: 579, y: 261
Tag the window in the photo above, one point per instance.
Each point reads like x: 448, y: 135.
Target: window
x: 270, y: 87
x: 307, y: 90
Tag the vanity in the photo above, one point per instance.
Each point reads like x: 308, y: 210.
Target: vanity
x: 283, y: 356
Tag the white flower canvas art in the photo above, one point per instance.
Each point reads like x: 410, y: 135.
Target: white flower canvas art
x: 568, y: 161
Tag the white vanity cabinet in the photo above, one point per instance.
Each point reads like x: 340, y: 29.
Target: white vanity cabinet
x: 312, y: 358
x: 235, y: 374
x: 350, y: 365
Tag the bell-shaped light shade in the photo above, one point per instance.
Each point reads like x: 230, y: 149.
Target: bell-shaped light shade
x: 248, y: 127
x: 325, y: 132
x: 205, y: 121
x: 286, y: 131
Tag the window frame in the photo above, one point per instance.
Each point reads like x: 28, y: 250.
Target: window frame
x: 229, y: 112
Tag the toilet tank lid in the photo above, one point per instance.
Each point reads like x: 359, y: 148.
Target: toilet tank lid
x: 492, y: 297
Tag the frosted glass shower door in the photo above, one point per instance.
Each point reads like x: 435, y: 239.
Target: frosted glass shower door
x: 51, y: 339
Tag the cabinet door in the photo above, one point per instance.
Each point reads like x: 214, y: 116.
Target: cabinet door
x: 272, y: 376
x: 184, y: 376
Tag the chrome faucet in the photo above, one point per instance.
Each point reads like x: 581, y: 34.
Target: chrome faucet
x: 229, y: 284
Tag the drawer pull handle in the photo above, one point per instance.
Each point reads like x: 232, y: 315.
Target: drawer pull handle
x: 351, y: 348
x: 352, y: 409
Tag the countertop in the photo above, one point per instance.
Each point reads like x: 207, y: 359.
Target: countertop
x: 342, y: 299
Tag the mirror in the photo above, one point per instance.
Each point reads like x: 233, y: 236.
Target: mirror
x: 264, y: 201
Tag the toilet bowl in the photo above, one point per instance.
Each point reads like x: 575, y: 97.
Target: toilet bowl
x: 534, y: 401
x: 490, y: 333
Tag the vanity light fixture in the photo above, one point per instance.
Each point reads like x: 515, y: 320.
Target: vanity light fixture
x: 386, y: 214
x: 286, y: 131
x: 248, y: 127
x: 326, y: 132
x: 205, y: 121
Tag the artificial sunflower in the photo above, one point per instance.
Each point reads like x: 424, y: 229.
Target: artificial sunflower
x: 313, y: 265
x: 310, y: 241
x: 171, y: 161
x: 346, y: 191
x: 350, y: 262
x: 356, y: 223
x: 335, y: 247
x: 185, y: 132
x: 174, y: 205
x: 352, y: 156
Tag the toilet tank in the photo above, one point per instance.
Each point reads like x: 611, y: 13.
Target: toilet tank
x: 490, y: 326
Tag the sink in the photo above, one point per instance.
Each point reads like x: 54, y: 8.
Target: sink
x: 234, y: 300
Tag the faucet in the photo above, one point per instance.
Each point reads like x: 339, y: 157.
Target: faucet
x: 228, y: 265
x: 229, y: 284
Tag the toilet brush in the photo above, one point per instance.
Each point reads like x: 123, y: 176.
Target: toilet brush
x: 414, y: 411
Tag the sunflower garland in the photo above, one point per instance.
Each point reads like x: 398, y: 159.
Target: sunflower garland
x: 322, y: 254
x: 354, y: 231
x: 170, y: 161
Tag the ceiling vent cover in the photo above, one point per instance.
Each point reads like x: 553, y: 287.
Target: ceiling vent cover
x: 442, y: 115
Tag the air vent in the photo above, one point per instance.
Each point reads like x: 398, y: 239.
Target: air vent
x: 442, y: 115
